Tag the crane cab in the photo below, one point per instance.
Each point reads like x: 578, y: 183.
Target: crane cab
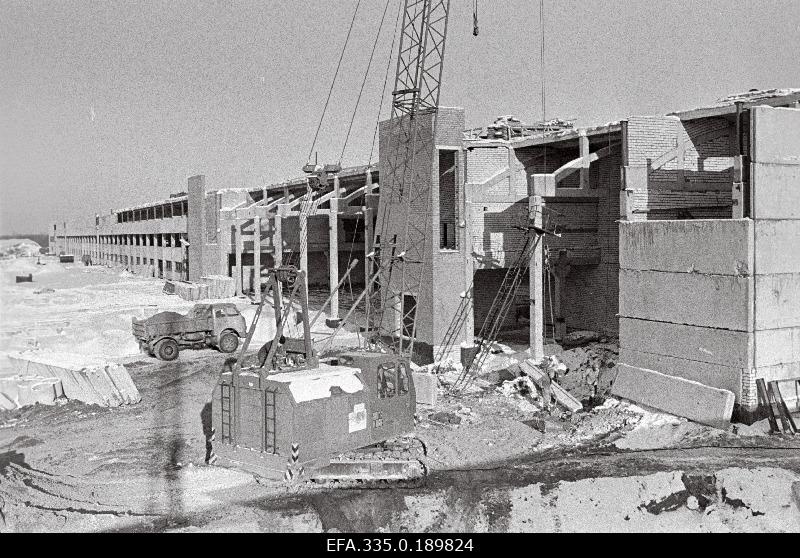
x: 305, y: 416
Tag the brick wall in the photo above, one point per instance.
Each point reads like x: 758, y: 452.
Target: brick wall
x: 690, y: 182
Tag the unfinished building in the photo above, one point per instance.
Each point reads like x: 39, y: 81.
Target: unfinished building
x: 627, y: 203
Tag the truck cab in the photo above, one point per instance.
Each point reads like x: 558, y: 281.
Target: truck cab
x: 216, y: 325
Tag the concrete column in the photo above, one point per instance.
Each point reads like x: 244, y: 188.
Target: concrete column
x: 368, y: 243
x: 333, y: 248
x: 196, y: 225
x: 277, y: 236
x: 535, y: 285
x: 583, y: 143
x: 237, y: 242
x: 167, y: 275
x: 224, y: 241
x: 257, y: 256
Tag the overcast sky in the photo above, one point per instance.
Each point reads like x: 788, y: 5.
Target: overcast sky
x: 108, y: 104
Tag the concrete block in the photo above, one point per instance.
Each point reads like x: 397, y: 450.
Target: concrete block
x: 84, y: 379
x: 776, y: 135
x: 425, y: 386
x: 777, y: 246
x: 702, y: 344
x: 720, y: 301
x: 693, y: 400
x: 776, y: 191
x: 777, y: 301
x: 713, y: 246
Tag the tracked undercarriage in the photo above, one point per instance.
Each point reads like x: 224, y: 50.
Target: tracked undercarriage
x: 399, y: 462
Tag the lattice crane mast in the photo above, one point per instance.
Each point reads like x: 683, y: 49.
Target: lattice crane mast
x: 405, y: 190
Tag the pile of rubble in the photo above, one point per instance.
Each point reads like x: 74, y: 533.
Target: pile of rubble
x: 590, y: 369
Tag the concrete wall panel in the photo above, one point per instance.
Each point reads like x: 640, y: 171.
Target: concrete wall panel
x: 776, y: 189
x: 719, y: 301
x: 776, y: 135
x: 705, y: 246
x: 715, y: 375
x: 703, y: 344
x: 777, y: 301
x: 777, y: 346
x: 777, y: 246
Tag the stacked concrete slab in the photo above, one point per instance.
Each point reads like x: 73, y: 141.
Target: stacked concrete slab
x: 219, y: 286
x: 95, y: 382
x: 716, y: 302
x: 191, y: 291
x: 775, y: 202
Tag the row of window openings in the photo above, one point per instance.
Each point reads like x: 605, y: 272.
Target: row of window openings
x: 125, y: 260
x: 168, y: 240
x: 176, y: 209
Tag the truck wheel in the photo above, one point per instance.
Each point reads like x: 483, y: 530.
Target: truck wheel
x: 228, y: 342
x: 167, y: 349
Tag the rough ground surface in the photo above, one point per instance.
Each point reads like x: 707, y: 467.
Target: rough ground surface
x: 618, y: 467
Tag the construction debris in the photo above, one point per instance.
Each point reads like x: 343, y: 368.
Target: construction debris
x: 545, y: 382
x: 579, y: 338
x: 445, y: 417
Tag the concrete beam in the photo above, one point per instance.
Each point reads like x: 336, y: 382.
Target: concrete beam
x: 693, y: 400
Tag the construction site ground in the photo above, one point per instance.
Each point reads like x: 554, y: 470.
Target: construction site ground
x: 616, y: 467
